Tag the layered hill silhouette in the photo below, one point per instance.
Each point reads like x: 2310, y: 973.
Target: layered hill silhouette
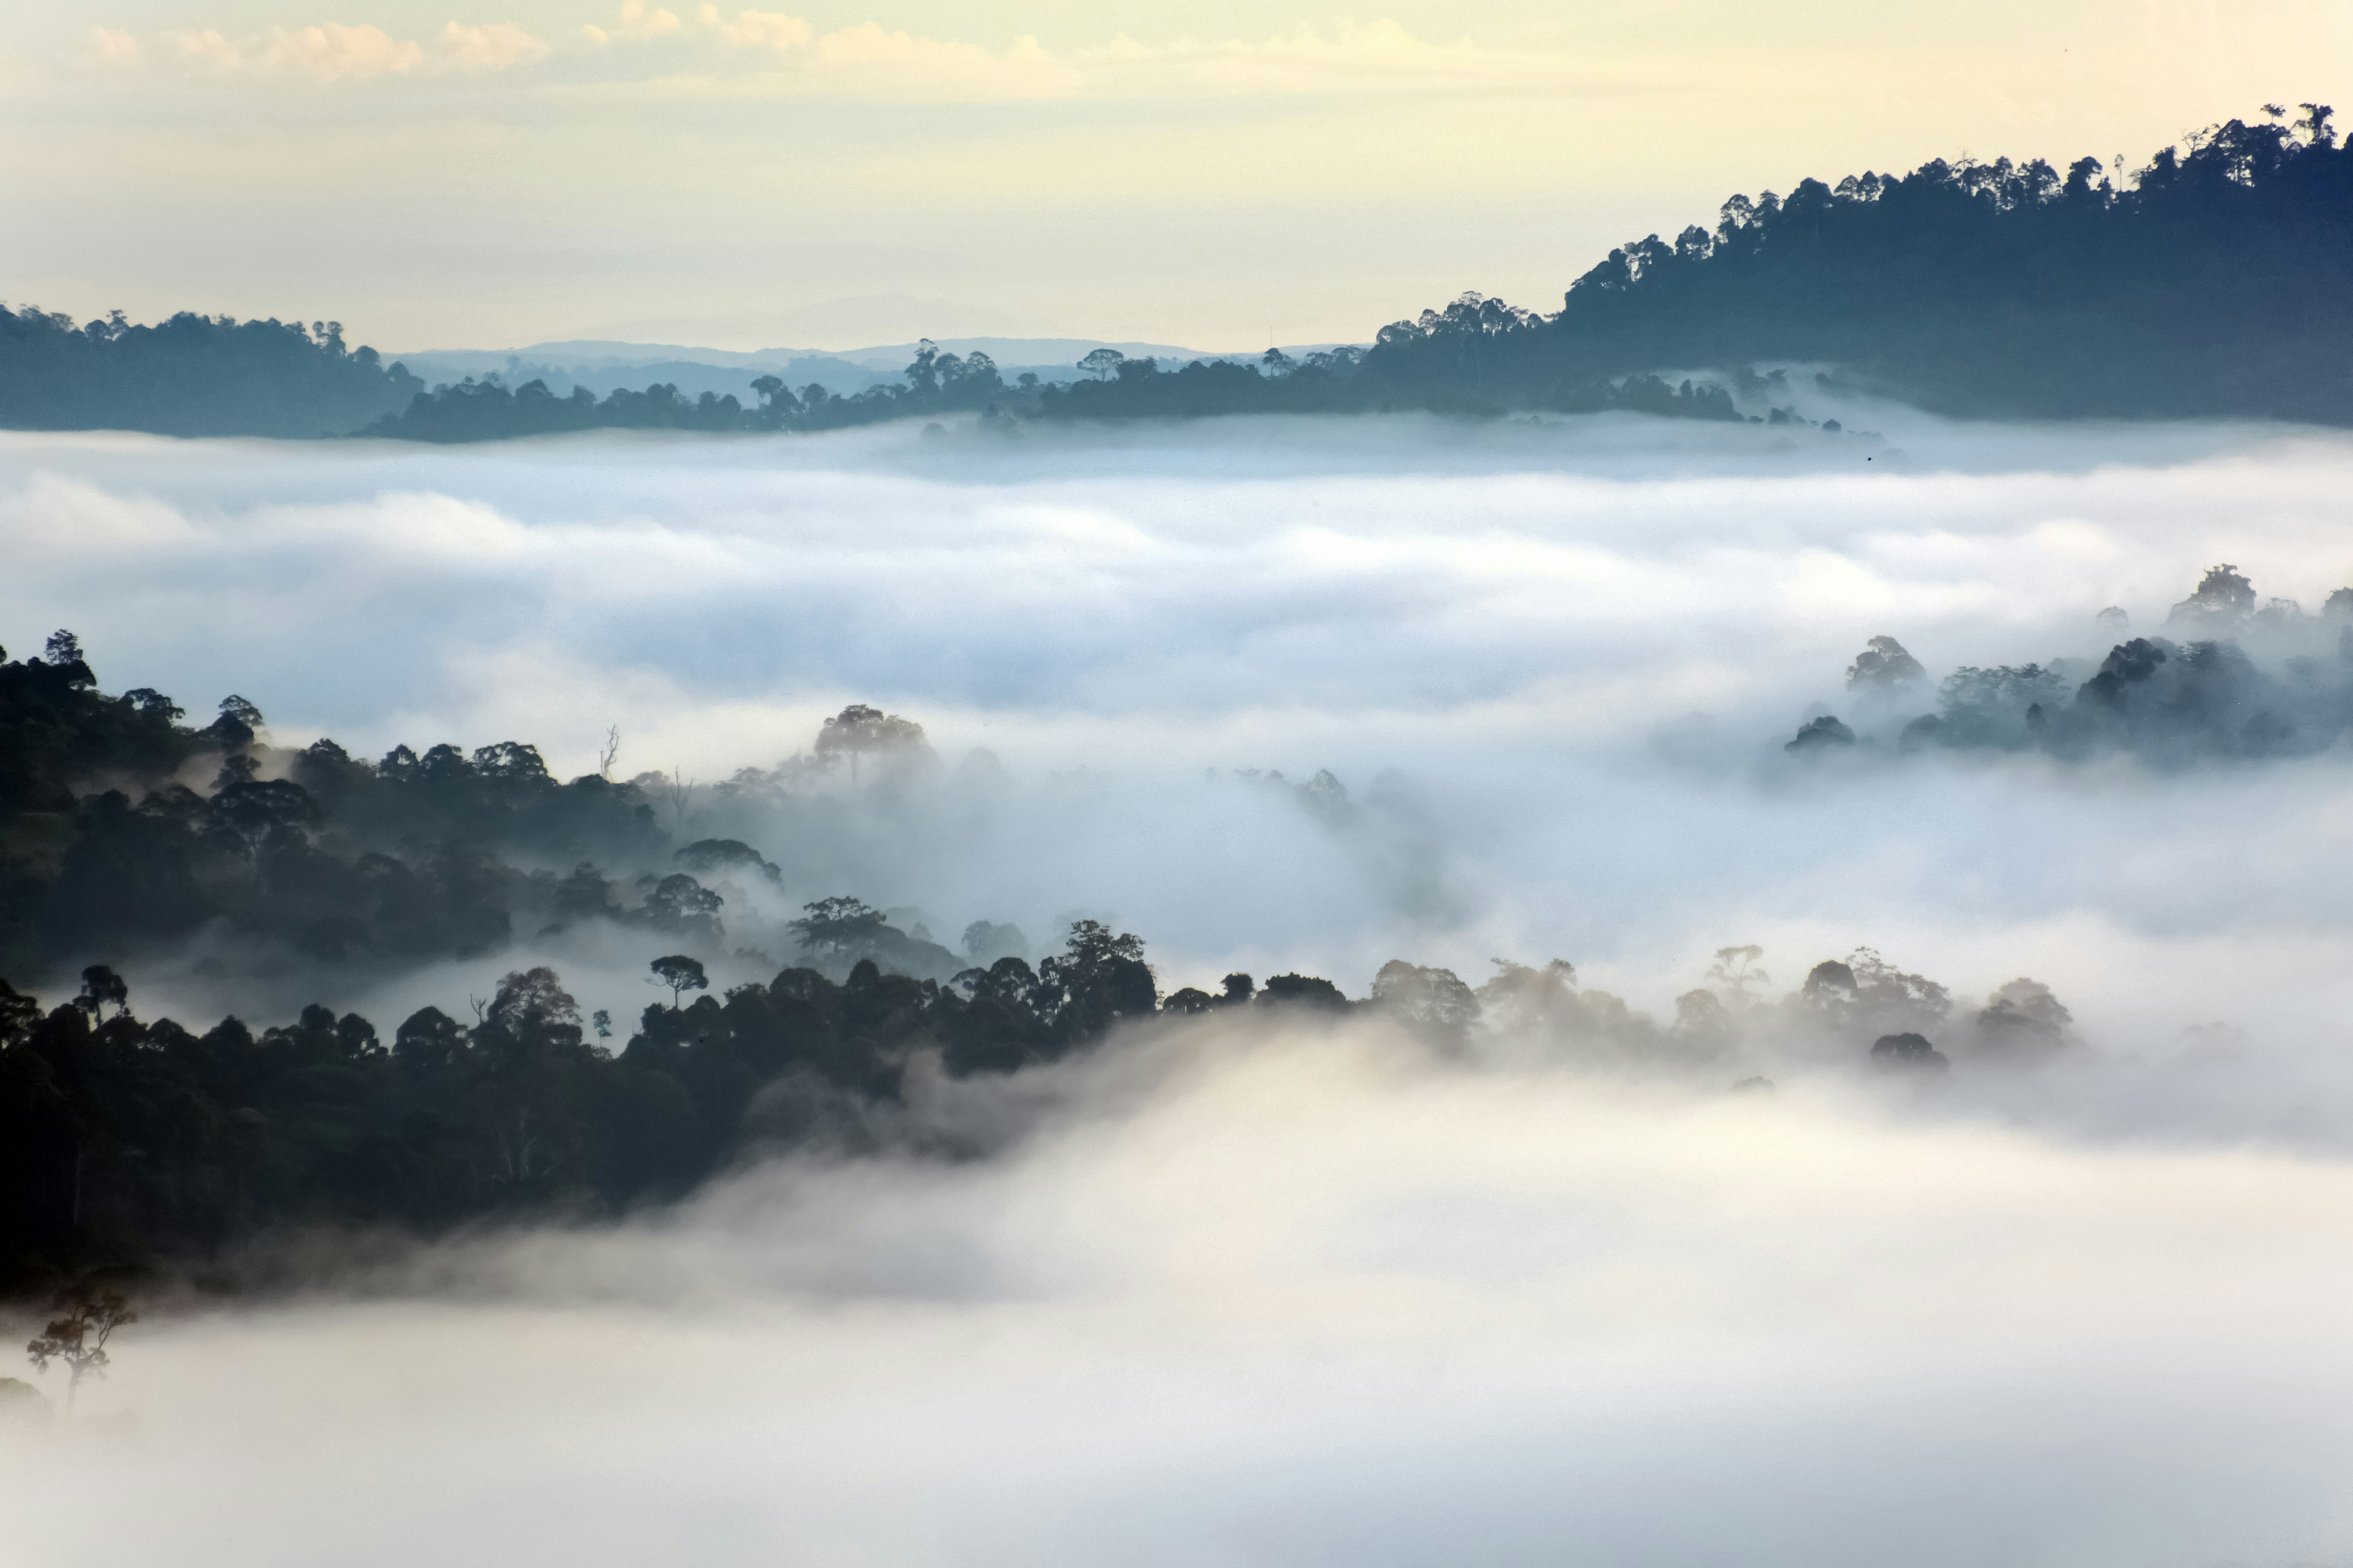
x: 2216, y: 280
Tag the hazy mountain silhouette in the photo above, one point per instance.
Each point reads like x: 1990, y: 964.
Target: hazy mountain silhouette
x: 2216, y: 280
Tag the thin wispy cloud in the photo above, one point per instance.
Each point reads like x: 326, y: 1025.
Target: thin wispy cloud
x: 329, y: 52
x: 774, y: 51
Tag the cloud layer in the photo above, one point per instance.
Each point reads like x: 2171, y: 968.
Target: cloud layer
x: 326, y: 52
x: 1280, y: 1294
x: 1308, y: 1300
x: 1522, y: 623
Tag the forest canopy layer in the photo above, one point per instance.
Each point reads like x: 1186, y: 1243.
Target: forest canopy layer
x: 127, y: 1142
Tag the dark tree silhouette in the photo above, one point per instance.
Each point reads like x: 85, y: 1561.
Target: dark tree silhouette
x: 682, y: 974
x: 76, y: 1337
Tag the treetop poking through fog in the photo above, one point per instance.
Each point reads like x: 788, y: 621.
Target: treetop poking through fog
x: 2231, y: 682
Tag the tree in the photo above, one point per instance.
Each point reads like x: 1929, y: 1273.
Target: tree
x: 2219, y: 605
x: 1907, y: 1050
x: 1308, y: 991
x: 836, y: 928
x: 775, y: 397
x: 238, y: 723
x: 1883, y: 662
x: 1736, y: 976
x: 1098, y: 977
x: 77, y: 1337
x: 2021, y: 1014
x: 257, y: 810
x: 1819, y: 735
x: 1102, y: 362
x: 682, y: 974
x: 530, y: 1092
x: 100, y: 986
x: 532, y: 999
x: 1434, y: 1004
x: 858, y: 729
x: 728, y: 854
x: 680, y: 903
x: 986, y: 942
x: 923, y: 375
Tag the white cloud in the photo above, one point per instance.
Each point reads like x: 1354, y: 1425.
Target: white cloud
x: 493, y: 46
x: 209, y: 48
x: 113, y: 46
x: 640, y: 21
x: 335, y: 52
x: 760, y: 29
x: 870, y: 59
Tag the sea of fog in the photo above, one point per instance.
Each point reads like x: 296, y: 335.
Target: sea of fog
x: 1287, y: 1294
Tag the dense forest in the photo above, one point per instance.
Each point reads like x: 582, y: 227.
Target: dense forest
x: 2216, y: 279
x: 1114, y: 387
x: 191, y: 376
x: 2235, y: 680
x: 131, y: 841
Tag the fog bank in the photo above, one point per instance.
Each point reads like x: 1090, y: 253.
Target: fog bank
x: 1303, y: 1297
x: 1252, y: 1290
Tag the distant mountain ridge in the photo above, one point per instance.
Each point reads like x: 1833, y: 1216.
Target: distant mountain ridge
x: 892, y: 357
x: 606, y: 365
x: 2214, y: 282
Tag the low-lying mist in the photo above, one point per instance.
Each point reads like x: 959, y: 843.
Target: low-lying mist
x: 1297, y: 1295
x: 1553, y: 665
x: 1260, y: 1285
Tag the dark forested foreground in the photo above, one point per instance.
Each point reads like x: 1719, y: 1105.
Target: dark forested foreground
x: 2215, y: 280
x: 2231, y: 680
x: 132, y: 838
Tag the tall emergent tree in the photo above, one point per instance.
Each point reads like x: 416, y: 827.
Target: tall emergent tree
x: 77, y: 1337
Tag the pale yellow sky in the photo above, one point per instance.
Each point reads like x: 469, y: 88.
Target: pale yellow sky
x: 1205, y: 174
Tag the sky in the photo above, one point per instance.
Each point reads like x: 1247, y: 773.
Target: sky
x: 1216, y: 174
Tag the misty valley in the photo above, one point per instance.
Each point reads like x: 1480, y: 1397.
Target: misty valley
x: 1409, y: 921
x: 1704, y: 928
x: 153, y: 1146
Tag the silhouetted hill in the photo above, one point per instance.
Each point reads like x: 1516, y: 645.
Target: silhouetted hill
x: 2215, y: 281
x: 191, y: 376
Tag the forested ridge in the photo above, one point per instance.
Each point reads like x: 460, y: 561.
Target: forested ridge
x: 2227, y: 678
x: 191, y: 376
x: 124, y: 1141
x: 135, y: 1143
x: 2214, y: 280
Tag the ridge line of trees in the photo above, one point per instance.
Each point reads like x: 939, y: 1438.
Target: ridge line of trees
x: 2227, y: 679
x: 2214, y: 280
x: 130, y: 836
